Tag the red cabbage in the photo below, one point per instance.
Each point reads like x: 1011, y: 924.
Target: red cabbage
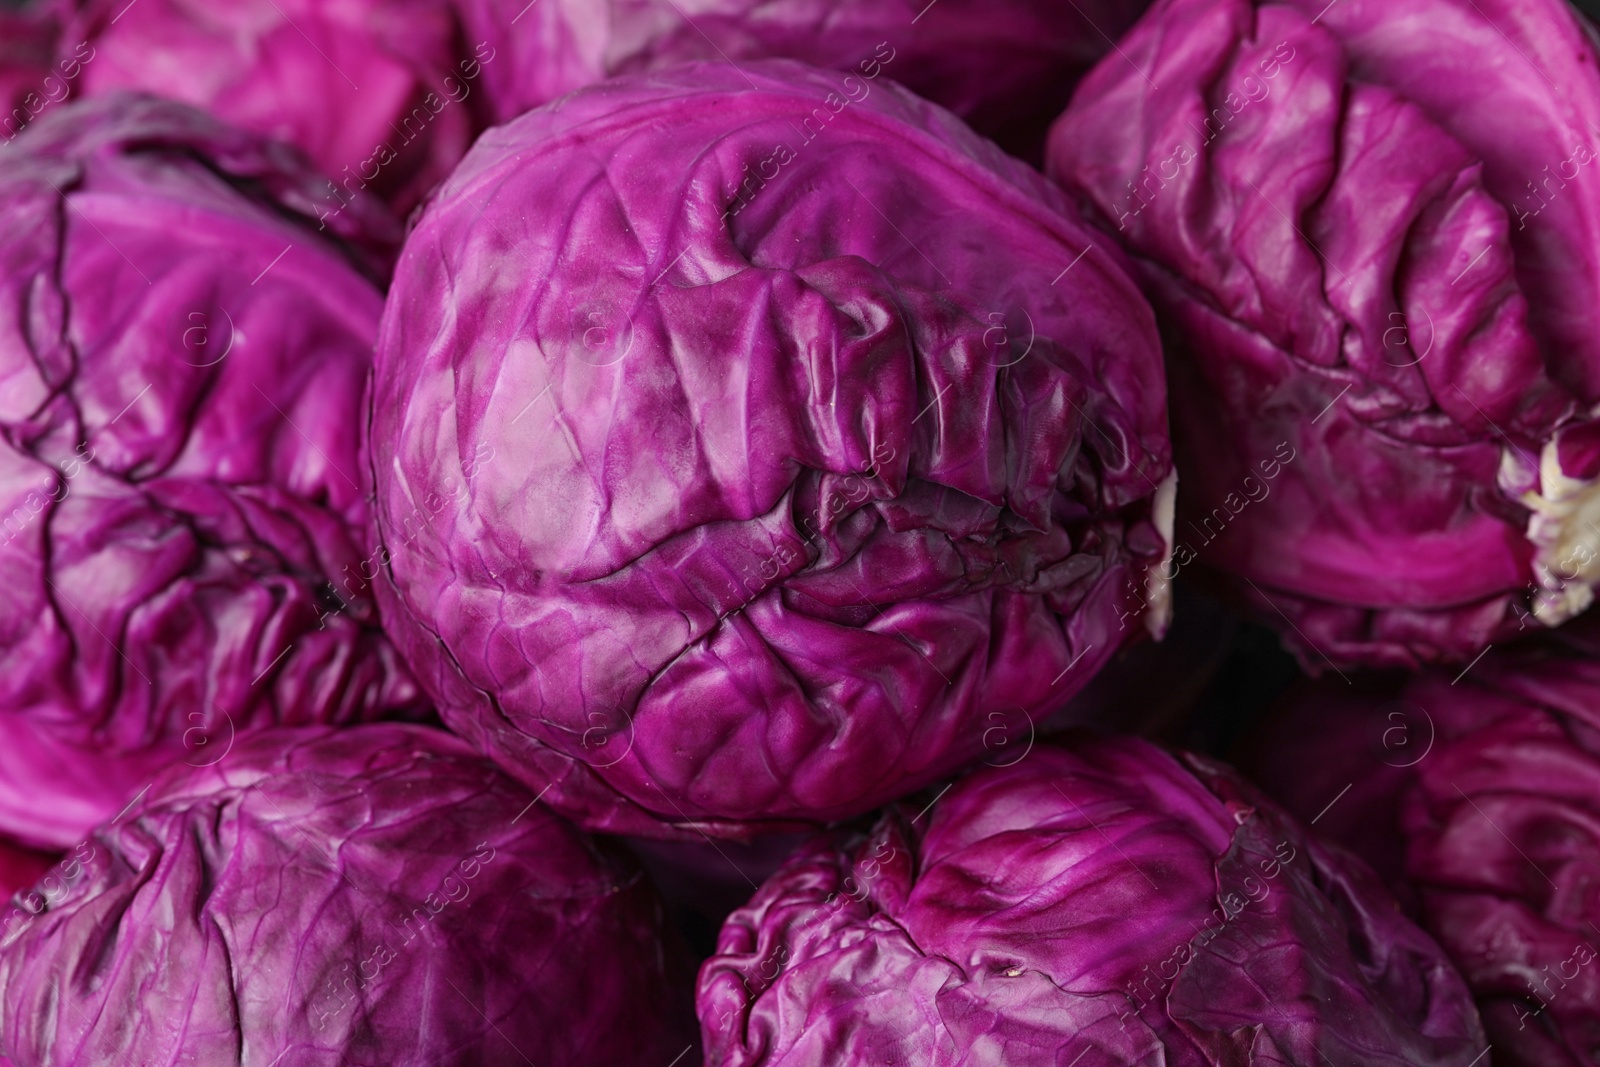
x: 735, y: 477
x: 378, y: 896
x: 1371, y: 227
x: 1104, y: 904
x: 1006, y: 66
x: 182, y: 533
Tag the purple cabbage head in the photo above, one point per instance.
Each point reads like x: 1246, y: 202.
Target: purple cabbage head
x: 1488, y: 786
x: 379, y: 896
x: 1006, y: 66
x: 745, y: 453
x: 372, y: 90
x: 1372, y: 230
x: 182, y: 360
x: 1101, y: 905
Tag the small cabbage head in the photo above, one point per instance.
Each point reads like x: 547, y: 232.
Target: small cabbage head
x: 1006, y: 66
x: 375, y: 896
x: 1100, y: 904
x: 372, y: 90
x: 1372, y: 231
x: 183, y: 537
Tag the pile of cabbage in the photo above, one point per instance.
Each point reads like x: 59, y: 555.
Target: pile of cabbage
x: 776, y: 533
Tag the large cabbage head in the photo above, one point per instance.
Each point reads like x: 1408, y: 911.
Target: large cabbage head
x: 182, y: 545
x: 372, y: 90
x: 1006, y: 66
x: 1490, y: 784
x: 1372, y: 228
x: 378, y: 896
x: 1105, y: 904
x: 746, y: 452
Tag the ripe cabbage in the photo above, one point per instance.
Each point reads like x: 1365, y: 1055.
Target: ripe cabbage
x: 746, y: 455
x: 1104, y: 904
x: 1371, y: 227
x: 1489, y: 785
x: 182, y: 360
x: 371, y: 90
x: 1006, y: 66
x: 377, y: 895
